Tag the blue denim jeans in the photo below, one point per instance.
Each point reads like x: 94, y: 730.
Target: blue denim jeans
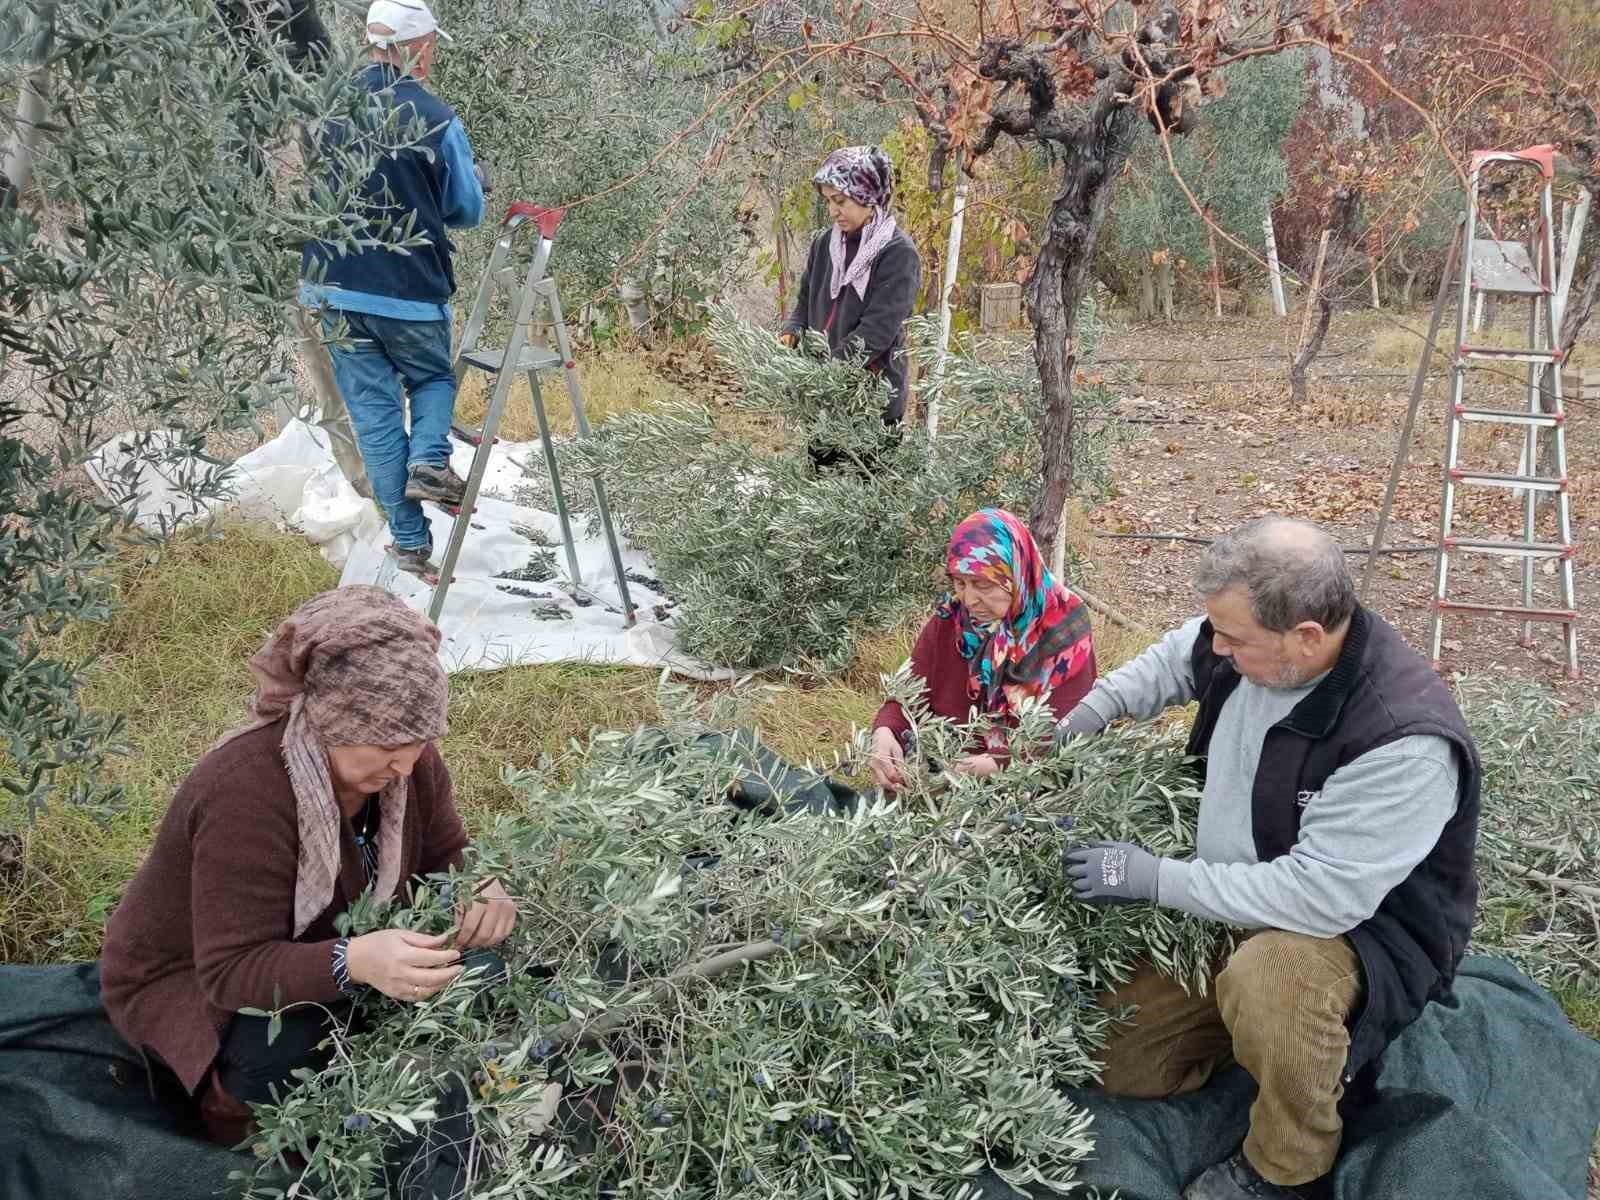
x: 384, y: 356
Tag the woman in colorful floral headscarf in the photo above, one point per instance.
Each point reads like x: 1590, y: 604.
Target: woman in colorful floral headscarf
x: 1006, y: 631
x: 862, y: 276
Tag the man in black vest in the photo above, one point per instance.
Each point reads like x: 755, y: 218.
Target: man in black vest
x: 1338, y: 823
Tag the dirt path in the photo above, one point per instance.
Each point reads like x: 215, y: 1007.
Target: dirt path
x: 1215, y: 442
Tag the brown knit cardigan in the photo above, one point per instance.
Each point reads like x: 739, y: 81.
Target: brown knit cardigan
x: 204, y: 927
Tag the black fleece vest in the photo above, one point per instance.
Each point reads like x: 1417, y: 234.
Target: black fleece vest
x: 1378, y: 691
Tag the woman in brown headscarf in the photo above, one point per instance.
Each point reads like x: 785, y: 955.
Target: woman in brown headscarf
x: 334, y: 787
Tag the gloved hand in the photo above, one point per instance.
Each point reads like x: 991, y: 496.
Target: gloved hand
x: 1111, y: 873
x: 1082, y: 721
x: 482, y: 172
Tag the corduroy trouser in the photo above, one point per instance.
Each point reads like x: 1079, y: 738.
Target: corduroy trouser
x: 1280, y: 1008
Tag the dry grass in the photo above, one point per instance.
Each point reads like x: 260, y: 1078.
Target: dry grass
x: 1393, y: 346
x: 1335, y: 407
x: 612, y: 382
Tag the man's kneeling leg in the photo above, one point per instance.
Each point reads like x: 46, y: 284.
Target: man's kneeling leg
x: 1174, y: 1043
x: 1286, y: 999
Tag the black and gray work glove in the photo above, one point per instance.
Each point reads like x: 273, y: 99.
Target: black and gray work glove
x: 482, y: 172
x: 1111, y: 873
x: 1082, y: 721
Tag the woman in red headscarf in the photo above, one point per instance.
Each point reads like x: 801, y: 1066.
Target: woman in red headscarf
x: 1005, y: 632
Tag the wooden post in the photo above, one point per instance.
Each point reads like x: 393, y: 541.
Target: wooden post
x: 1216, y: 273
x: 1314, y: 294
x: 1418, y: 383
x: 1373, y: 280
x: 16, y: 168
x: 952, y: 260
x: 1569, y: 261
x: 1274, y: 271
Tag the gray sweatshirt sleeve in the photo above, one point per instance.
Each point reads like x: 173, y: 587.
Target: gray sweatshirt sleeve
x: 1144, y: 688
x: 1374, y: 820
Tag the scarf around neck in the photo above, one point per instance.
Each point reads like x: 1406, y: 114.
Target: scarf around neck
x: 876, y: 234
x: 353, y: 666
x: 1044, y: 638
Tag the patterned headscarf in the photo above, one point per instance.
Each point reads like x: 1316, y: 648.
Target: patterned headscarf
x: 1042, y: 641
x: 865, y: 174
x: 350, y: 667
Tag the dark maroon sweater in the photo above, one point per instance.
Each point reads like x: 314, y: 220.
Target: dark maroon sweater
x: 936, y: 660
x: 205, y: 927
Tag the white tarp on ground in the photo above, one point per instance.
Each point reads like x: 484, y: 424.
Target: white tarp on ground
x: 488, y: 622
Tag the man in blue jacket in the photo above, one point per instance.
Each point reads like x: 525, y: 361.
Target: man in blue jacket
x: 395, y: 307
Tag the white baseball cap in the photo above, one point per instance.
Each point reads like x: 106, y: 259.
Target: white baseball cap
x: 410, y: 19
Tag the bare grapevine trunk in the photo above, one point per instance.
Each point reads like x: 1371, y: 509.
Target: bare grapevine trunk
x: 1056, y: 291
x: 1309, y: 351
x: 1408, y: 278
x: 1164, y: 280
x: 1093, y: 145
x: 1334, y: 260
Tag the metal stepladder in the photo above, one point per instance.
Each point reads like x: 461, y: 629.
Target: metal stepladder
x: 521, y: 356
x: 1508, y: 269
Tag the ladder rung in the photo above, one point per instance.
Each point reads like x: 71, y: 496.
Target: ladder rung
x: 471, y: 437
x: 532, y: 359
x: 1534, y: 483
x: 1509, y: 417
x: 1513, y: 549
x: 1510, y: 354
x: 1563, y: 616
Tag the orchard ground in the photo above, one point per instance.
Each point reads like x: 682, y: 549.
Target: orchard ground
x: 1217, y: 441
x: 1211, y: 440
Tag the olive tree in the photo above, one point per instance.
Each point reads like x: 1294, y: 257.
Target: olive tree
x: 575, y: 104
x: 146, y: 255
x: 1233, y: 169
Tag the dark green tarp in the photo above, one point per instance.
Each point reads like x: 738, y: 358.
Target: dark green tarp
x: 78, y: 1117
x: 1497, y: 1096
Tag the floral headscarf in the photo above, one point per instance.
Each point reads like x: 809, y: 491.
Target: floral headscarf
x: 1040, y: 643
x: 865, y: 174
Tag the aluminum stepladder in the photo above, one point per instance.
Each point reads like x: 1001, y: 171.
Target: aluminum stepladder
x: 537, y: 293
x: 1508, y: 269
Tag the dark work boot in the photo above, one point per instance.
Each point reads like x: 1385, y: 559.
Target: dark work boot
x: 1235, y: 1179
x: 228, y: 1120
x: 436, y: 482
x: 416, y: 561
